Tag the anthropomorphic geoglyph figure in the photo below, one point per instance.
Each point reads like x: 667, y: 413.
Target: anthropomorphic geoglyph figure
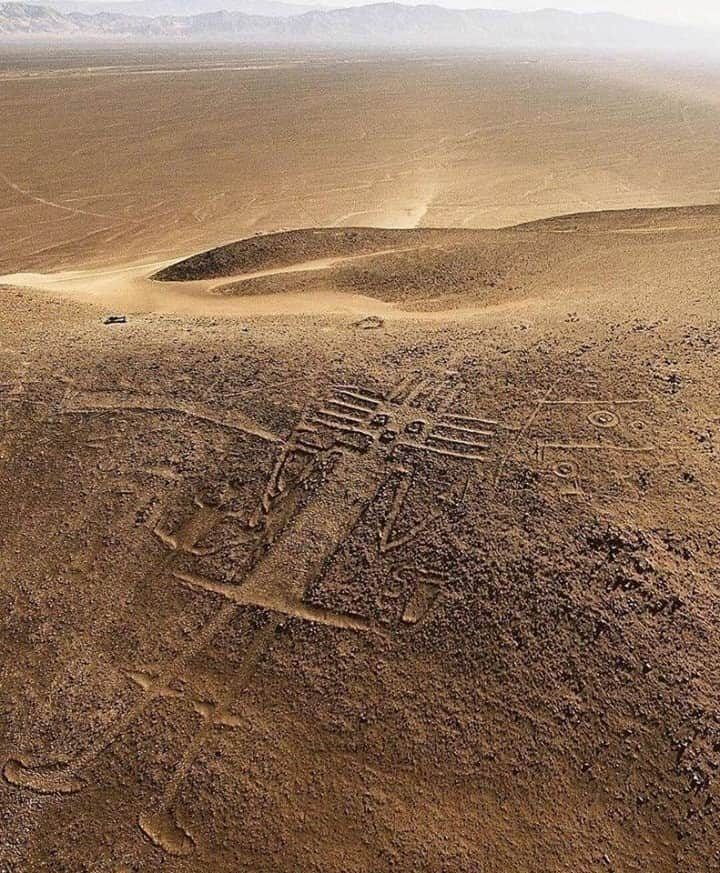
x: 327, y: 472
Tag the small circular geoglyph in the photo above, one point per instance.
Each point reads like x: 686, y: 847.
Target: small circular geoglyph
x: 603, y: 418
x: 566, y: 469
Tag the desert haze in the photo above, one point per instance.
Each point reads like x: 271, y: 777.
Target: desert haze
x: 359, y: 443
x: 266, y: 22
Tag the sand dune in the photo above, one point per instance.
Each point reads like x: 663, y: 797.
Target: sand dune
x: 399, y: 273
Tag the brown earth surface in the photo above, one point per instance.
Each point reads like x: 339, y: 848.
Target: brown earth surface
x: 115, y: 156
x: 360, y: 549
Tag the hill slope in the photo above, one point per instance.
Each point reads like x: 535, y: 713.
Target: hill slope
x: 288, y: 589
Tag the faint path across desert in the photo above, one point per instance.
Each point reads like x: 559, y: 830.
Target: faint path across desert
x: 45, y: 202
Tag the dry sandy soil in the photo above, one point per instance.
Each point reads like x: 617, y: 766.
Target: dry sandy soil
x: 359, y: 549
x: 119, y: 156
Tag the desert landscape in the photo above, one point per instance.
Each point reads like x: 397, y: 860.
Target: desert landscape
x: 359, y: 441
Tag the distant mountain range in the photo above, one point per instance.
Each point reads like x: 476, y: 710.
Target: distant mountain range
x: 158, y: 8
x: 373, y: 25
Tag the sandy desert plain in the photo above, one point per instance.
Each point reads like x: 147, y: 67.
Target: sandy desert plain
x: 383, y: 535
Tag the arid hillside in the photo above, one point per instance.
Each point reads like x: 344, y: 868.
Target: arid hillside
x: 366, y: 550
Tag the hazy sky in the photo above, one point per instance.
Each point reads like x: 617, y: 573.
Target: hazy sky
x: 690, y: 11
